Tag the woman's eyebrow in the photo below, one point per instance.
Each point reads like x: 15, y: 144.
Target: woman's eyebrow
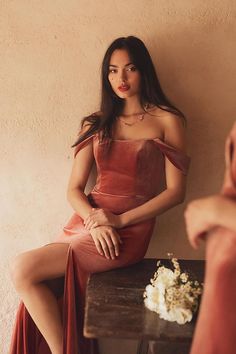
x: 115, y: 66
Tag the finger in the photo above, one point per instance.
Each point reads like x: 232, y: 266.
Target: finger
x: 111, y: 246
x: 105, y: 248
x: 86, y: 224
x: 195, y: 243
x: 92, y: 225
x: 95, y: 224
x: 115, y: 242
x: 193, y: 239
x: 99, y: 247
x: 117, y: 236
x: 88, y: 218
x: 86, y: 221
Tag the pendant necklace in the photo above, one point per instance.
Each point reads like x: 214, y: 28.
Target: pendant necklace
x: 139, y: 117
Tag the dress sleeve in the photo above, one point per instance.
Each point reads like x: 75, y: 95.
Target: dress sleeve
x: 82, y: 144
x: 175, y: 156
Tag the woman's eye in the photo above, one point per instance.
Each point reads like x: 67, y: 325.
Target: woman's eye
x: 112, y: 71
x: 132, y: 68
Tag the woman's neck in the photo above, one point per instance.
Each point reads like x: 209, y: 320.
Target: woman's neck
x: 132, y: 105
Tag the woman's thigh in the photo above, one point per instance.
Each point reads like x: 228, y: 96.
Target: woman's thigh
x: 44, y: 263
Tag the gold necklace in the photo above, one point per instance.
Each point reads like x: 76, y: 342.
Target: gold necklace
x: 140, y: 117
x: 132, y: 114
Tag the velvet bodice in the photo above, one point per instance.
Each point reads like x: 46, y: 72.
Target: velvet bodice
x: 132, y: 167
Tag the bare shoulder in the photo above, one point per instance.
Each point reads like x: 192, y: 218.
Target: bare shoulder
x: 172, y: 127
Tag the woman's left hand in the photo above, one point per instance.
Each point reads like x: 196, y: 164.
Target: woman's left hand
x: 99, y: 217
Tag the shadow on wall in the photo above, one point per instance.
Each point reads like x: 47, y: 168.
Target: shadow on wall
x: 197, y: 73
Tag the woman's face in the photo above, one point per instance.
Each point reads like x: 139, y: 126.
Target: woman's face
x: 123, y: 76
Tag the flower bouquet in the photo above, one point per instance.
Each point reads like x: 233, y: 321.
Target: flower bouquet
x: 172, y: 294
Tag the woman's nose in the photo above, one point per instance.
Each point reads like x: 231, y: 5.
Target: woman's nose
x: 122, y: 76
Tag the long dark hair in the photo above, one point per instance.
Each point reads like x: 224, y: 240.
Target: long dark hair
x: 111, y: 105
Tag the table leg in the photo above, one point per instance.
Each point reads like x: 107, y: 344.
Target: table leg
x: 143, y: 347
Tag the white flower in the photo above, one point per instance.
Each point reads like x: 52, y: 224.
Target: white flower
x: 166, y: 278
x: 172, y: 295
x: 178, y: 314
x: 184, y: 277
x: 152, y: 293
x: 154, y: 298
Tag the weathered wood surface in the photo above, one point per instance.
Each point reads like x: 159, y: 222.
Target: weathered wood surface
x: 115, y: 308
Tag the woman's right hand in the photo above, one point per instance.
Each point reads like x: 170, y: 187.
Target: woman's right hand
x: 107, y: 241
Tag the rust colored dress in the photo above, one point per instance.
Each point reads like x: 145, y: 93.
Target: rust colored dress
x: 128, y: 175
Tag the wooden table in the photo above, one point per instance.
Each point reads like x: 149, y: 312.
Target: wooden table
x: 115, y: 308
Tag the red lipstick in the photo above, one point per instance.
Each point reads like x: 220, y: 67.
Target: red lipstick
x: 123, y: 88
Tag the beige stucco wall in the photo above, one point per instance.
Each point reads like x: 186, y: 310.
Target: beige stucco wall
x: 50, y: 56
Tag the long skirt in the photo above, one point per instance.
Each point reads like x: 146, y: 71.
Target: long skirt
x: 82, y: 260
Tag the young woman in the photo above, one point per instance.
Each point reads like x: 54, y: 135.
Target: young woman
x: 213, y: 219
x: 135, y: 138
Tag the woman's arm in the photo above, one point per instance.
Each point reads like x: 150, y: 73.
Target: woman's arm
x: 204, y: 214
x: 106, y: 239
x: 79, y: 176
x: 174, y: 193
x: 171, y: 196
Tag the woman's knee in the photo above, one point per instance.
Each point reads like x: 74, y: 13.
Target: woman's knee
x: 22, y: 269
x: 38, y: 265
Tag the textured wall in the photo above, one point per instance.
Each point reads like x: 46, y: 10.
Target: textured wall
x: 50, y: 55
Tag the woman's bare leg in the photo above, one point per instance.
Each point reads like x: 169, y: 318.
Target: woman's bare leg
x: 29, y: 270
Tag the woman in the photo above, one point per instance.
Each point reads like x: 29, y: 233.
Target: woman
x: 213, y: 218
x: 135, y: 137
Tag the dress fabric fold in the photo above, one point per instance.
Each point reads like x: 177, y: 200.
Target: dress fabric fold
x: 129, y: 173
x: 215, y: 331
